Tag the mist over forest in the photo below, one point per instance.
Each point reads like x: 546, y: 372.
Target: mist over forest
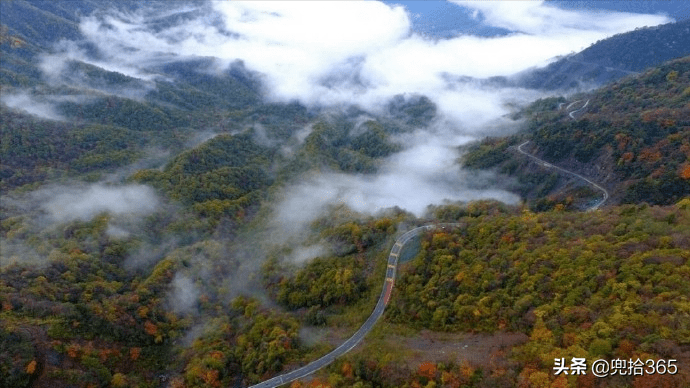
x: 204, y: 193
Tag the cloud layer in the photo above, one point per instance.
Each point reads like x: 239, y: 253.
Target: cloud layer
x: 412, y: 179
x: 37, y: 106
x: 331, y: 54
x: 83, y: 203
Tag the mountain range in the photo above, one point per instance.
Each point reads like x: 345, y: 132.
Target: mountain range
x: 169, y: 224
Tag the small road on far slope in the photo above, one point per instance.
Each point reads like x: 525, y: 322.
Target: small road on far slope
x: 366, y: 327
x: 608, y: 68
x: 548, y: 165
x: 572, y: 113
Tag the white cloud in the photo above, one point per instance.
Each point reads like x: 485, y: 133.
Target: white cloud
x: 31, y: 104
x: 116, y: 232
x: 345, y: 52
x: 337, y: 53
x: 542, y: 18
x: 185, y: 294
x: 302, y: 254
x: 34, y: 102
x: 83, y: 203
x: 424, y: 174
x: 298, y: 44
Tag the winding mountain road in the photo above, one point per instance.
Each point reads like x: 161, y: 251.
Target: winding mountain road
x: 389, y: 281
x: 608, y: 68
x: 368, y: 324
x: 548, y: 165
x: 572, y: 113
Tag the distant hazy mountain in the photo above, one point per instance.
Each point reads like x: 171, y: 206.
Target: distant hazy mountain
x: 612, y: 58
x: 30, y: 29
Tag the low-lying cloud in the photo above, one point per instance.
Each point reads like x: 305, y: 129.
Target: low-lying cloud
x: 83, y: 203
x: 413, y: 180
x: 330, y: 53
x: 16, y: 252
x: 339, y: 54
x: 41, y: 106
x: 303, y: 254
x: 185, y: 295
x: 541, y: 18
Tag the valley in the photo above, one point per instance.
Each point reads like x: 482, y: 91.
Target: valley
x: 252, y: 194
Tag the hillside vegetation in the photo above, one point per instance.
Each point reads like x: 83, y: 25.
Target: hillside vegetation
x: 610, y: 284
x: 612, y: 58
x: 206, y: 288
x: 633, y: 137
x: 606, y: 284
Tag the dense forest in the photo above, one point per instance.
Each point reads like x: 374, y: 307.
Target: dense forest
x: 634, y: 136
x: 140, y: 244
x: 615, y: 288
x: 596, y: 285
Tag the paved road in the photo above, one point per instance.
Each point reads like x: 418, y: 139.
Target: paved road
x: 606, y: 67
x: 569, y: 105
x: 548, y: 165
x: 572, y: 114
x: 366, y: 327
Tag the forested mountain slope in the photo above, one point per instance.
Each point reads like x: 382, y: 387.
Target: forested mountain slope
x: 605, y: 284
x: 95, y: 294
x: 142, y: 245
x: 609, y: 284
x: 612, y: 58
x: 633, y: 137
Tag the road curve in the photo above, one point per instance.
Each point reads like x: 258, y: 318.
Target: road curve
x: 548, y: 165
x: 368, y: 324
x: 576, y: 110
x: 571, y: 104
x: 387, y: 288
x: 609, y: 68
